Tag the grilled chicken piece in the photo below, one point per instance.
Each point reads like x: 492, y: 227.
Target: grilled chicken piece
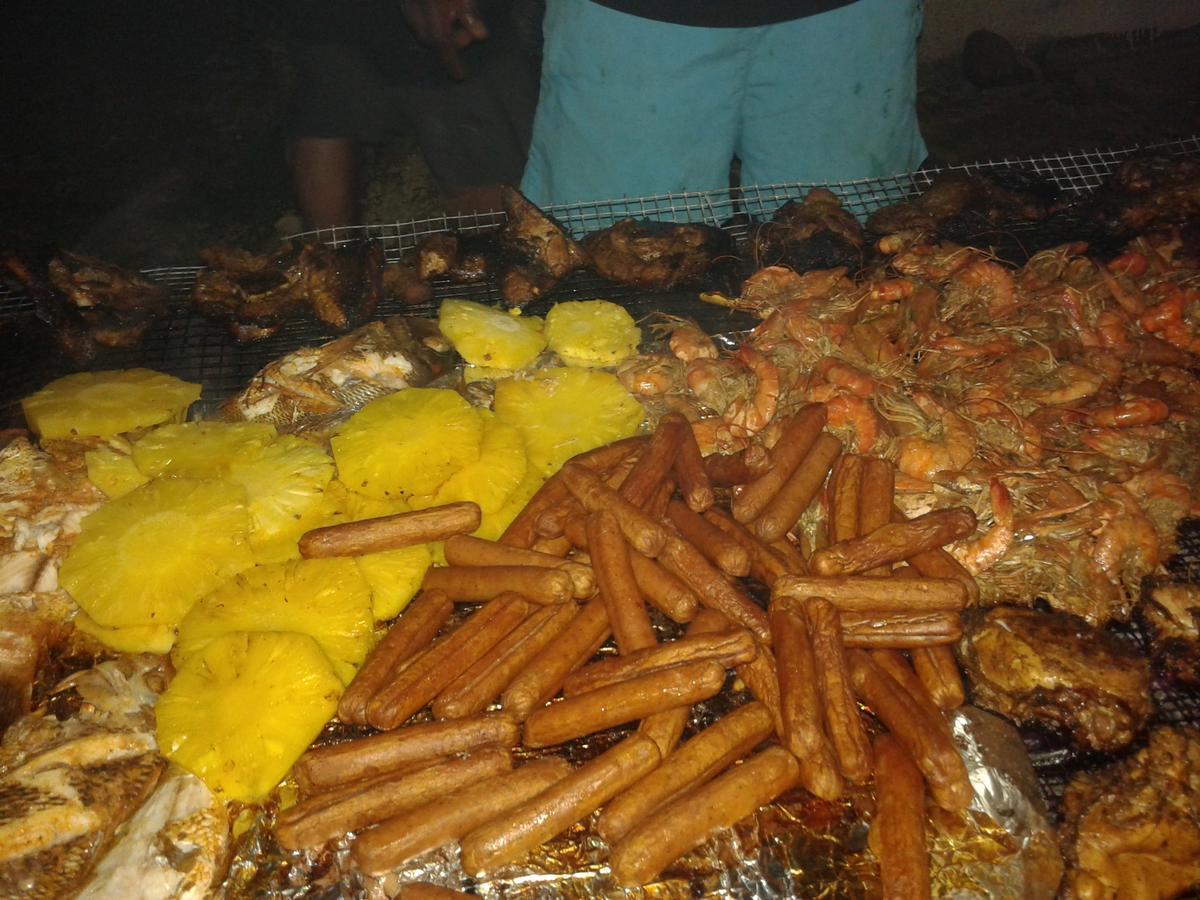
x: 955, y: 201
x: 463, y: 258
x: 402, y: 282
x: 252, y: 294
x: 344, y: 283
x: 542, y: 251
x: 89, y: 304
x: 255, y: 294
x: 1132, y: 831
x: 1056, y: 671
x: 1149, y: 191
x: 815, y: 233
x: 657, y: 256
x: 1171, y: 614
x: 437, y: 254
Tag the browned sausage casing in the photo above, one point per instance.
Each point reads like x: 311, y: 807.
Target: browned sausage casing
x: 894, y: 542
x: 803, y: 731
x: 369, y: 757
x: 799, y: 433
x: 544, y: 675
x: 313, y: 822
x: 625, y: 701
x: 926, y: 738
x: 412, y: 633
x: 793, y: 498
x: 559, y: 806
x: 699, y: 760
x: 842, y: 719
x: 427, y: 675
x: 448, y: 818
x: 390, y: 532
x: 861, y: 593
x: 686, y: 822
x: 618, y: 588
x: 898, y: 831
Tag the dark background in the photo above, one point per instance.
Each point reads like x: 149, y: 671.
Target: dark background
x: 141, y: 131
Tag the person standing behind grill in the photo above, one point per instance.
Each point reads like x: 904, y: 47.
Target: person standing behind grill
x: 643, y: 97
x: 461, y: 75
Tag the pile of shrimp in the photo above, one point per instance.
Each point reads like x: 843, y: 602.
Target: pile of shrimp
x: 1059, y: 400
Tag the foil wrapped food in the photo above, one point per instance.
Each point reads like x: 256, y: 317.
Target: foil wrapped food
x: 1003, y: 847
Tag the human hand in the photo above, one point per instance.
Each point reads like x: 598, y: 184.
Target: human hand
x: 447, y: 26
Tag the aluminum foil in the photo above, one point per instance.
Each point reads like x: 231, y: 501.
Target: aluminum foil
x: 798, y: 846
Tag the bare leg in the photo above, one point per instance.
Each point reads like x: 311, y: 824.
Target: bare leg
x: 323, y: 171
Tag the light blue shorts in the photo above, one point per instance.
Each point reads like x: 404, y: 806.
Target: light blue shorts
x: 631, y: 107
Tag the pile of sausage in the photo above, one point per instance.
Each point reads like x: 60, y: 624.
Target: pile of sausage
x: 850, y: 667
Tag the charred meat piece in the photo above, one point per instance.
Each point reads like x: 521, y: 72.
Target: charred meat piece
x: 956, y: 201
x: 255, y: 294
x: 815, y: 233
x: 344, y: 284
x: 402, y: 282
x: 947, y: 196
x: 89, y: 304
x: 657, y: 256
x: 1133, y: 829
x: 1153, y: 190
x: 522, y: 283
x: 1056, y: 671
x: 541, y: 251
x: 437, y: 254
x: 463, y: 258
x: 1171, y: 614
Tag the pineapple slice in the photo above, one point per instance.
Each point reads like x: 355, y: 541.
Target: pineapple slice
x: 146, y: 558
x: 591, y: 333
x: 327, y: 599
x: 395, y: 575
x: 115, y: 473
x: 561, y: 412
x: 489, y: 480
x: 197, y: 449
x: 407, y: 443
x: 486, y: 336
x: 240, y: 712
x: 493, y: 524
x: 101, y: 404
x: 135, y: 639
x: 285, y: 482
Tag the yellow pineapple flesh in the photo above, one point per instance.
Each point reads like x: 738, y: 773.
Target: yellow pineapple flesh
x: 561, y: 412
x: 114, y: 472
x: 239, y: 713
x: 490, y: 479
x: 134, y: 639
x: 591, y: 333
x: 486, y: 336
x: 327, y: 599
x: 101, y: 404
x: 407, y: 443
x: 493, y: 524
x: 197, y: 449
x: 145, y: 558
x: 394, y: 575
x: 285, y: 482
